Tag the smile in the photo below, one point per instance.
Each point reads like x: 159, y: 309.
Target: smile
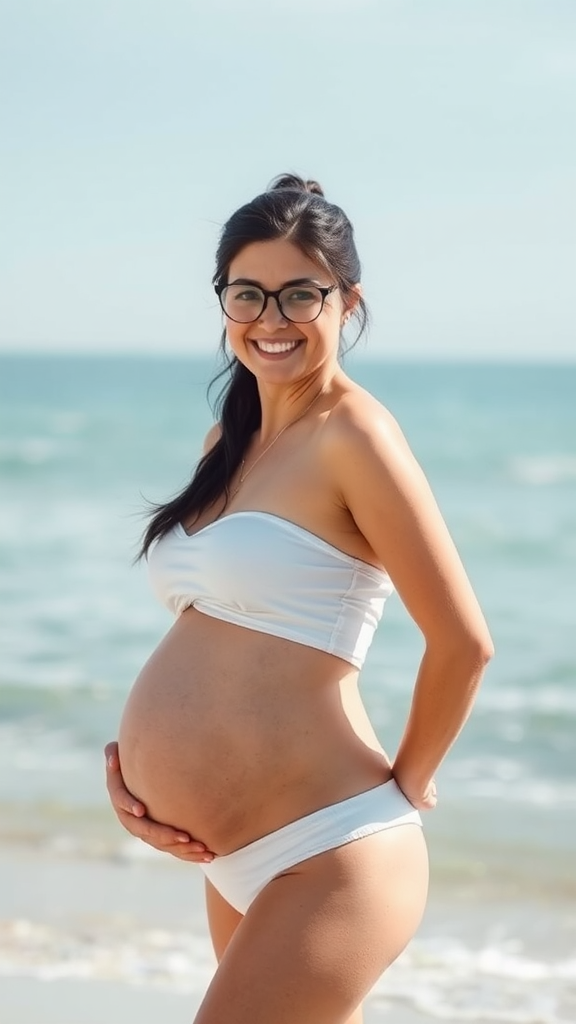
x: 276, y: 346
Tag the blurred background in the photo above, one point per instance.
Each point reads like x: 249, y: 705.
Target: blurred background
x: 128, y: 133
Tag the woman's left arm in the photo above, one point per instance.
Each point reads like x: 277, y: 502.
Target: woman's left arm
x: 386, y: 492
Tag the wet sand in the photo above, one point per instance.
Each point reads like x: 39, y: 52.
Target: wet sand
x: 122, y: 936
x: 83, y: 942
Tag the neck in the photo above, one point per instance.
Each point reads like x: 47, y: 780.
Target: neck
x: 281, y: 405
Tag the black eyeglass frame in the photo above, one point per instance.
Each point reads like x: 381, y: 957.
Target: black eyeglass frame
x: 325, y: 292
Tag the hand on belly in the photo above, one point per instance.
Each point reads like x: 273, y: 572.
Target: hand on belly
x: 231, y: 740
x: 133, y: 817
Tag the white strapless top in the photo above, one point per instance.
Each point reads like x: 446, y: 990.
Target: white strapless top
x: 260, y: 571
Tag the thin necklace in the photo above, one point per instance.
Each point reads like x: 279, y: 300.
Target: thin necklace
x: 291, y: 423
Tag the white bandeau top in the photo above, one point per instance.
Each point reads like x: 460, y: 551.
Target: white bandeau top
x: 260, y: 571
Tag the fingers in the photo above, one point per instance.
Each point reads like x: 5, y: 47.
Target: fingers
x: 432, y: 795
x: 165, y: 839
x: 121, y: 799
x: 131, y: 814
x: 428, y: 799
x: 423, y: 799
x: 111, y: 752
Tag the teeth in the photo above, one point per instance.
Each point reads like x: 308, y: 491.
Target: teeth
x: 276, y: 346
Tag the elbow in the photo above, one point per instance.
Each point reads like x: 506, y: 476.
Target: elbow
x: 472, y: 649
x: 480, y: 648
x: 486, y: 651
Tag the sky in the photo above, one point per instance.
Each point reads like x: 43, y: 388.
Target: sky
x: 446, y: 129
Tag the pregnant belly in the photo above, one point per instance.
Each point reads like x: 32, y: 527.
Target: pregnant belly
x: 228, y: 733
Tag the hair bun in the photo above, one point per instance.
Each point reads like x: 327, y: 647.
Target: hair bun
x: 295, y: 183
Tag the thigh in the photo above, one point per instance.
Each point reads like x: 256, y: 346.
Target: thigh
x: 317, y: 937
x: 223, y: 919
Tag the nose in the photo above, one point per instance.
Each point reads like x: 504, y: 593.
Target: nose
x: 271, y: 316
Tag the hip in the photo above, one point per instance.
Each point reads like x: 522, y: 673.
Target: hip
x: 240, y: 875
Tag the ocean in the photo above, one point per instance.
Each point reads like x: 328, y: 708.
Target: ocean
x: 85, y: 442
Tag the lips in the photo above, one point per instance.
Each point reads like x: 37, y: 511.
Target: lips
x: 275, y: 347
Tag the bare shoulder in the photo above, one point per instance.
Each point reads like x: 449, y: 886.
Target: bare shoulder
x: 359, y: 423
x: 379, y: 481
x: 212, y: 437
x: 371, y: 464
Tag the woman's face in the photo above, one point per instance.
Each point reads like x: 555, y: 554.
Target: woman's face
x: 276, y: 350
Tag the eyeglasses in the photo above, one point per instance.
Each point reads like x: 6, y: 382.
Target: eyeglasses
x: 300, y: 303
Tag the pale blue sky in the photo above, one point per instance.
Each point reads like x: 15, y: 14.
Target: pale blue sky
x: 130, y: 129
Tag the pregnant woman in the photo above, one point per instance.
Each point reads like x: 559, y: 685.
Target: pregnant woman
x: 244, y: 745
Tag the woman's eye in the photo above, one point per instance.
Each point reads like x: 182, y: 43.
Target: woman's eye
x: 301, y: 295
x: 248, y: 295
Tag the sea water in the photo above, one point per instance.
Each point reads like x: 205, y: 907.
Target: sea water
x: 86, y: 442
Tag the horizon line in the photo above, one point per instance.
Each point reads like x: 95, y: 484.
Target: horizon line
x: 544, y: 359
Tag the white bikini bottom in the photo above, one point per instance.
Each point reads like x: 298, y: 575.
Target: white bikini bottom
x: 239, y: 876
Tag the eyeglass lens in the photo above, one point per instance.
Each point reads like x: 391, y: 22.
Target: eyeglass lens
x: 245, y: 303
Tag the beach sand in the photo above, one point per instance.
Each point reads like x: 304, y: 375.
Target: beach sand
x: 123, y: 937
x: 88, y: 942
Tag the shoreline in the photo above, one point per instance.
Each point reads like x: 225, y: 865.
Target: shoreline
x: 463, y: 865
x: 125, y: 937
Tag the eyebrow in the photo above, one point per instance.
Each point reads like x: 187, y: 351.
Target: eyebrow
x: 287, y: 284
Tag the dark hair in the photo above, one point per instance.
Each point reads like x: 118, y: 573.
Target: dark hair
x: 293, y: 209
